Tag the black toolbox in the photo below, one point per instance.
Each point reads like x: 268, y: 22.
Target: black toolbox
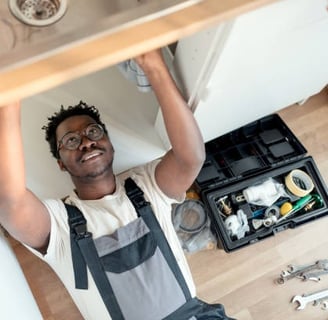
x: 253, y: 175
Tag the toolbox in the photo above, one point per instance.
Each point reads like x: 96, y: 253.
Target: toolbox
x: 258, y: 180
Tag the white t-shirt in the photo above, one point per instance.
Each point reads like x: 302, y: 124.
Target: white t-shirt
x: 104, y: 216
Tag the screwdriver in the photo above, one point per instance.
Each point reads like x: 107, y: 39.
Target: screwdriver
x: 299, y: 204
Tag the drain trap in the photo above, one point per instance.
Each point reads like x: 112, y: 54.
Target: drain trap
x: 38, y: 12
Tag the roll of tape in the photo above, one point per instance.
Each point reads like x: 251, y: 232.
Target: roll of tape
x: 189, y: 216
x: 299, y: 183
x: 272, y: 211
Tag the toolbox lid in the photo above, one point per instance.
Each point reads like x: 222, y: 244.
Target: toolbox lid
x: 253, y: 148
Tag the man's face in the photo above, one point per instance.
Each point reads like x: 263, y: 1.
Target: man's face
x: 91, y: 159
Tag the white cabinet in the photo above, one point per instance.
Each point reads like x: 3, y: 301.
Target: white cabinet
x: 16, y: 299
x: 257, y: 64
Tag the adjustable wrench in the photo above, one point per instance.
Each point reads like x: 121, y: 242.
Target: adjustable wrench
x: 313, y: 297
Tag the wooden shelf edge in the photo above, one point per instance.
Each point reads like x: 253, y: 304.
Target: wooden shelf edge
x: 110, y: 49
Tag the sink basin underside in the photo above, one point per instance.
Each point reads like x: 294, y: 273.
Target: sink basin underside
x: 83, y: 20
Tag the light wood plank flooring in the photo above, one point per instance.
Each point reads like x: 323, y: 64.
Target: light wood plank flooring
x: 243, y: 280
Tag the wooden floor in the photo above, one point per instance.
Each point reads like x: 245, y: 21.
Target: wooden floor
x: 244, y: 281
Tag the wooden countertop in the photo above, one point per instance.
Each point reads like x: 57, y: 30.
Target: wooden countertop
x: 110, y: 48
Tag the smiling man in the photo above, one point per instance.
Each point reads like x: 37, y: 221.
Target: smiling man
x: 142, y: 269
x: 83, y: 150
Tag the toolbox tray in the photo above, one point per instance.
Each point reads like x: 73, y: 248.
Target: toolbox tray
x: 248, y: 156
x: 258, y: 146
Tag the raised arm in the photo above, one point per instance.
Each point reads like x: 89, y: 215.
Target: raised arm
x: 180, y: 166
x: 22, y: 214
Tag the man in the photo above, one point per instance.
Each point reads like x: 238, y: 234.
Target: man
x: 79, y: 141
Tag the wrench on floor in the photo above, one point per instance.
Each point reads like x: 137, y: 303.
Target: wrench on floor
x: 313, y: 297
x: 298, y: 271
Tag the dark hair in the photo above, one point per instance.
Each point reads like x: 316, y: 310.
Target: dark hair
x: 54, y: 121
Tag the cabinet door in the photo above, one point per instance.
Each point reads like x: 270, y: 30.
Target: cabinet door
x: 257, y: 64
x: 16, y: 299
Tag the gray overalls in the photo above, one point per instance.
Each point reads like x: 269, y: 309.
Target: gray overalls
x: 134, y: 268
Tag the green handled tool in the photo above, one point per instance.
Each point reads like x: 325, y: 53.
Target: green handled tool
x: 299, y: 204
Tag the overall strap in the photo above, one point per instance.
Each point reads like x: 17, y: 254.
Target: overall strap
x: 77, y: 225
x: 85, y: 253
x: 145, y: 211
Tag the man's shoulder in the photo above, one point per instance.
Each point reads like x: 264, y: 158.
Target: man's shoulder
x: 141, y: 172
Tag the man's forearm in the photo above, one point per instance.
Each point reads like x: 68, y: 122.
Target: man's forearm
x: 181, y: 126
x: 12, y: 172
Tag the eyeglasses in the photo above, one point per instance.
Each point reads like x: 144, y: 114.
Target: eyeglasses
x: 72, y: 140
